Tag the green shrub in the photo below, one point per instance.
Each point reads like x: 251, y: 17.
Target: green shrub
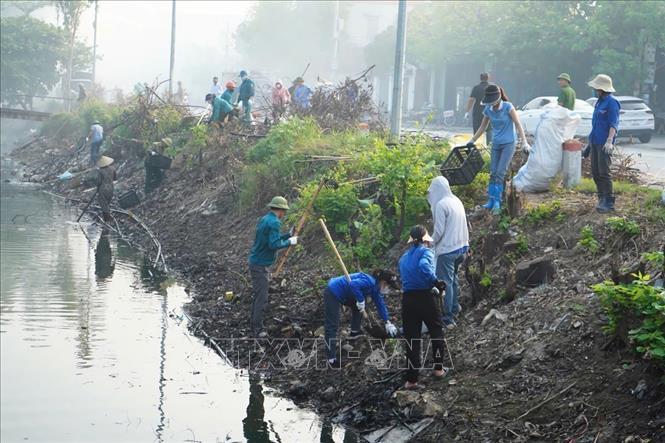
x: 541, y: 212
x: 372, y: 239
x: 622, y: 225
x: 656, y: 258
x: 522, y: 244
x: 644, y: 307
x: 587, y: 240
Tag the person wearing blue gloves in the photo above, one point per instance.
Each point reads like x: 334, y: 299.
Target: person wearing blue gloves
x: 604, y: 127
x: 421, y: 303
x: 267, y: 242
x: 340, y: 291
x: 501, y: 113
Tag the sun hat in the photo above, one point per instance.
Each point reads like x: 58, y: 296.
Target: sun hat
x: 278, y: 202
x: 104, y: 161
x: 564, y: 76
x: 492, y: 95
x: 602, y: 82
x: 299, y: 80
x: 231, y: 84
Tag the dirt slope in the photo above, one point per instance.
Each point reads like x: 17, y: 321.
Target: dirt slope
x: 540, y: 370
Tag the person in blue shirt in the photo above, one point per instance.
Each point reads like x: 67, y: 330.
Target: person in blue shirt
x: 604, y: 128
x: 501, y: 113
x: 340, y: 291
x: 267, y: 242
x: 421, y: 303
x: 96, y: 137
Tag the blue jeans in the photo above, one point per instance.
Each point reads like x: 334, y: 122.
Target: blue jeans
x: 447, y: 266
x: 500, y: 160
x: 94, y: 151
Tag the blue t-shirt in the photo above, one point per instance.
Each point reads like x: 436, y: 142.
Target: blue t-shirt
x: 605, y: 116
x: 503, y: 127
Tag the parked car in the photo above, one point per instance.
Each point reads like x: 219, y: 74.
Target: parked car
x: 636, y: 119
x: 530, y: 114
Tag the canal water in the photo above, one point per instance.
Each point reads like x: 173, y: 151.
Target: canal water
x: 95, y: 348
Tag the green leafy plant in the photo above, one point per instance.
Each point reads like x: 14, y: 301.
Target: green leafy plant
x: 640, y: 305
x: 541, y: 212
x: 656, y: 258
x: 486, y: 281
x: 522, y: 244
x: 504, y: 223
x: 587, y: 240
x: 623, y: 225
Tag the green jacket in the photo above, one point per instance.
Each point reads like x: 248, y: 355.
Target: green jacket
x: 567, y: 97
x: 220, y: 105
x: 246, y: 90
x: 268, y: 240
x: 228, y: 96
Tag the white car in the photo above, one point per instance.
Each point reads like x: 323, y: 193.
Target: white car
x: 530, y: 114
x: 636, y: 119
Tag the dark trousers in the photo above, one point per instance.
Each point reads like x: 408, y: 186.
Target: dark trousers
x: 477, y: 121
x: 331, y: 323
x: 95, y: 147
x: 419, y: 307
x: 600, y: 170
x: 260, y: 284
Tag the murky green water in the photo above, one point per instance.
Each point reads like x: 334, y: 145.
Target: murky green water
x: 92, y: 349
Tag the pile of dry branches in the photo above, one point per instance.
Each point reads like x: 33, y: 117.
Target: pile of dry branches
x: 622, y: 168
x: 345, y: 106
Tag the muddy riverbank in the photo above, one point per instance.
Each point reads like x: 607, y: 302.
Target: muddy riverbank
x: 529, y: 362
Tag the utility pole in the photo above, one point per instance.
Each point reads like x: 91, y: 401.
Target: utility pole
x: 335, y: 41
x: 94, y: 44
x: 398, y: 76
x: 172, y: 51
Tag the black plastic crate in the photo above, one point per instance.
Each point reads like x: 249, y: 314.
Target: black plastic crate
x: 157, y: 160
x: 128, y: 200
x: 462, y: 165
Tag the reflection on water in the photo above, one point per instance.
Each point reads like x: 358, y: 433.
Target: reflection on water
x: 96, y: 349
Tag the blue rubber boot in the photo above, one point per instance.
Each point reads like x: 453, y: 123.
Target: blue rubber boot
x: 498, y: 195
x: 490, y: 196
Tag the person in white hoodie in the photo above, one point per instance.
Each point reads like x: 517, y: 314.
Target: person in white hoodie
x: 451, y: 242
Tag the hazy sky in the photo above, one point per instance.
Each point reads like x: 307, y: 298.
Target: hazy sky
x: 134, y: 38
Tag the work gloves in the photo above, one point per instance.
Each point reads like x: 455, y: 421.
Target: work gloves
x: 293, y: 240
x: 391, y: 330
x: 608, y: 148
x: 526, y: 147
x: 586, y: 152
x: 360, y: 305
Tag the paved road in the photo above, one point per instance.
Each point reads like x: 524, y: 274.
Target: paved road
x: 649, y: 157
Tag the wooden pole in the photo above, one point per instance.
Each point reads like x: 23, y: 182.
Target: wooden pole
x: 87, y: 206
x: 299, y: 226
x: 334, y: 248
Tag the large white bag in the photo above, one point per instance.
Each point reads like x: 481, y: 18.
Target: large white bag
x: 556, y: 125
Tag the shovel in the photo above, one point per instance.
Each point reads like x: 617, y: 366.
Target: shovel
x: 341, y: 262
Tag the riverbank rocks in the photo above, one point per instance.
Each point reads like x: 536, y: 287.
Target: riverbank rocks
x: 535, y: 272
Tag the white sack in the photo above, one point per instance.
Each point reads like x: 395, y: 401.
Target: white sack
x: 556, y: 125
